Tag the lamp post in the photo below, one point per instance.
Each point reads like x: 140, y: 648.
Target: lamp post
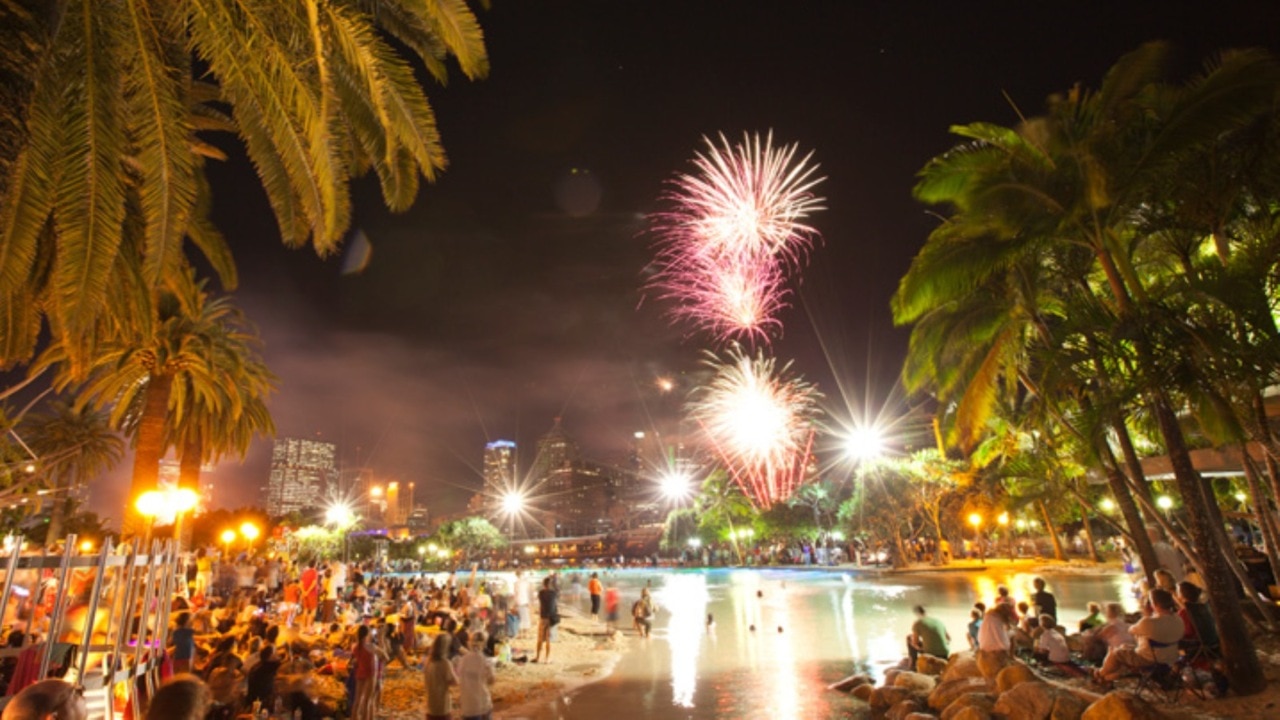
x: 976, y: 521
x: 1003, y: 520
x: 249, y: 532
x: 228, y: 536
x: 149, y: 504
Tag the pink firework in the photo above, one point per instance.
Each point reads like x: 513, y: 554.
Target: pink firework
x: 734, y: 230
x: 760, y: 419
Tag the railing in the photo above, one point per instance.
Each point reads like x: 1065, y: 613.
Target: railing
x: 112, y: 607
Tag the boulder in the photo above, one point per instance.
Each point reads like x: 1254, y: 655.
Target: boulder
x: 910, y: 706
x: 1067, y: 706
x: 883, y: 698
x: 930, y: 665
x: 1026, y: 701
x: 1122, y: 705
x: 1014, y: 675
x: 916, y: 682
x: 991, y: 663
x: 851, y: 682
x: 863, y: 692
x: 961, y: 665
x: 972, y: 713
x: 947, y: 692
x: 982, y: 701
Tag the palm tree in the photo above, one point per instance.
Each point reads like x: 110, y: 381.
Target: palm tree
x: 1077, y: 178
x: 720, y: 502
x: 119, y: 97
x: 74, y: 445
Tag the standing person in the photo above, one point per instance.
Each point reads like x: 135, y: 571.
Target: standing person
x: 1043, y: 602
x: 475, y: 675
x: 522, y: 597
x: 595, y: 589
x: 548, y: 618
x: 337, y: 581
x: 310, y: 595
x: 612, y: 599
x: 365, y: 656
x: 438, y: 676
x: 204, y: 572
x: 928, y: 636
x: 184, y: 644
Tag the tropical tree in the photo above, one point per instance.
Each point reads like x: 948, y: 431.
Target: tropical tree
x: 1071, y: 184
x: 472, y: 536
x: 74, y: 446
x: 115, y: 106
x: 720, y: 503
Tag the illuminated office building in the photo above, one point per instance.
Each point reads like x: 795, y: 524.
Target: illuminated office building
x: 302, y: 474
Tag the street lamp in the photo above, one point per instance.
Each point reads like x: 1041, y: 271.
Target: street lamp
x: 149, y: 504
x: 675, y: 486
x: 976, y: 521
x: 1107, y: 505
x: 862, y: 444
x: 228, y: 536
x: 250, y: 533
x: 1165, y: 503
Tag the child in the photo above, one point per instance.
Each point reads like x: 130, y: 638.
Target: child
x: 184, y: 644
x: 1051, y: 647
x: 975, y: 624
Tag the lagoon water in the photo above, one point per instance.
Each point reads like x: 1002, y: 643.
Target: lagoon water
x: 811, y: 628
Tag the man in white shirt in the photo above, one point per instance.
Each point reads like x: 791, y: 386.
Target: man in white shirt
x: 523, y: 597
x: 1051, y: 645
x: 1157, y: 638
x: 475, y: 675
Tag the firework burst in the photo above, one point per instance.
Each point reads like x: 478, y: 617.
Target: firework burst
x: 761, y: 421
x: 734, y: 230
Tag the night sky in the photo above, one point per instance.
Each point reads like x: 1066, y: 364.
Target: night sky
x: 512, y: 292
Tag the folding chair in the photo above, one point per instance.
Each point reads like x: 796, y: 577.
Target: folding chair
x: 1162, y: 682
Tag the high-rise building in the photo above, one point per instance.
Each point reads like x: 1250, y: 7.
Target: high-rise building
x: 499, y: 467
x: 555, y: 451
x: 302, y: 472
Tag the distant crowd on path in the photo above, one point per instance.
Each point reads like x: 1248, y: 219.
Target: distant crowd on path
x: 1173, y: 628
x: 258, y: 636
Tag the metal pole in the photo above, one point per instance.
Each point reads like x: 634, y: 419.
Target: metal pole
x: 59, y: 605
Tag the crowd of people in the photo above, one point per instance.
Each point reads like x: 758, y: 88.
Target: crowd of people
x: 251, y: 636
x: 1172, y: 629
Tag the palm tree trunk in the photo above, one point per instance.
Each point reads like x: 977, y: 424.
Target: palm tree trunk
x: 1053, y: 531
x: 1088, y: 533
x: 1261, y: 509
x: 1238, y: 653
x: 1138, y: 536
x: 188, y: 477
x: 148, y: 450
x: 58, y: 511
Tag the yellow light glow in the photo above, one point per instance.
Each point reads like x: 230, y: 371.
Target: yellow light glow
x: 150, y: 503
x: 375, y: 491
x: 975, y: 520
x: 228, y: 535
x: 1003, y: 519
x: 183, y: 499
x: 1107, y: 505
x: 250, y: 531
x: 86, y: 546
x: 1164, y: 502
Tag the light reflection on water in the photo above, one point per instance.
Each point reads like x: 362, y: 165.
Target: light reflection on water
x: 810, y: 629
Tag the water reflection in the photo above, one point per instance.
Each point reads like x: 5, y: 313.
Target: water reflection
x: 832, y: 624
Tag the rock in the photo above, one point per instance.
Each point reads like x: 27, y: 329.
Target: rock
x: 930, y: 664
x: 890, y: 675
x: 919, y: 716
x: 961, y: 665
x: 917, y: 683
x: 991, y: 663
x: 1026, y: 701
x: 1067, y: 707
x: 910, y: 706
x: 884, y: 698
x: 851, y: 682
x: 947, y: 692
x: 1121, y: 705
x: 982, y: 701
x: 863, y: 692
x: 1014, y: 675
x: 972, y: 713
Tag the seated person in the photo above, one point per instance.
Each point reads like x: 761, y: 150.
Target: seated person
x: 260, y: 683
x: 928, y: 636
x: 225, y: 681
x: 975, y: 625
x: 1051, y: 646
x: 1157, y: 641
x: 183, y: 697
x: 1199, y: 629
x: 1094, y: 619
x: 47, y: 700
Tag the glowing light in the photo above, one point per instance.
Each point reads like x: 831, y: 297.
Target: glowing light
x: 442, y: 553
x: 228, y: 536
x: 183, y: 500
x: 432, y: 548
x: 837, y: 536
x: 1002, y: 519
x: 1241, y: 497
x: 695, y: 543
x: 249, y: 531
x: 529, y: 549
x: 1164, y: 502
x: 339, y: 514
x: 1021, y: 524
x: 1107, y: 505
x: 975, y: 520
x: 675, y: 486
x: 512, y: 502
x: 666, y: 384
x: 863, y: 444
x: 760, y: 420
x: 86, y: 546
x: 375, y: 491
x: 422, y: 550
x: 29, y: 468
x: 150, y: 503
x: 735, y: 227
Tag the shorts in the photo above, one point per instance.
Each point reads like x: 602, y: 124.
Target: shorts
x: 595, y: 604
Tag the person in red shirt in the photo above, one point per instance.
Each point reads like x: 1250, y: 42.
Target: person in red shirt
x: 612, y: 598
x: 595, y: 589
x: 310, y: 595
